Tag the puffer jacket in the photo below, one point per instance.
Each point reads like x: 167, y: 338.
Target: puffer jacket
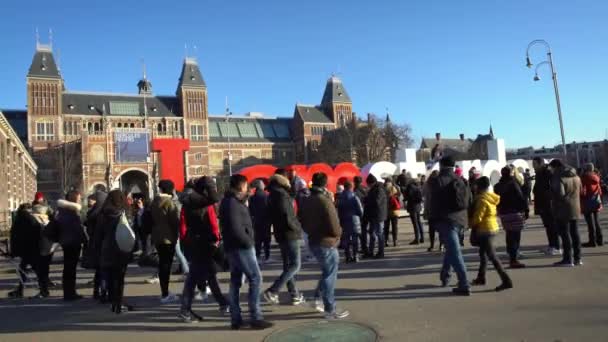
x: 483, y: 218
x: 565, y: 194
x: 203, y: 234
x: 71, y: 230
x: 350, y: 212
x: 235, y: 222
x: 165, y: 220
x: 281, y: 210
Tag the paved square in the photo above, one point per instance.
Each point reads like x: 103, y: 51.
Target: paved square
x: 399, y: 297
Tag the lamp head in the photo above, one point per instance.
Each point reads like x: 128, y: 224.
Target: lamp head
x: 536, y: 77
x: 528, y: 62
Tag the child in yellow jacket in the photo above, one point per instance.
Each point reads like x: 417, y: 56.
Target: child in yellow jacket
x: 485, y: 226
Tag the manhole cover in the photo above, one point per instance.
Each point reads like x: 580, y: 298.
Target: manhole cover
x: 325, y: 331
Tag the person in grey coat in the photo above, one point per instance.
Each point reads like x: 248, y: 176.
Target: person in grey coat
x: 350, y: 212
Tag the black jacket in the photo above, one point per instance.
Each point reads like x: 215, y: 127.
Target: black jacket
x: 258, y: 209
x: 235, y: 222
x: 542, y: 191
x: 376, y: 204
x: 94, y: 213
x: 201, y: 242
x: 282, y: 213
x: 512, y: 199
x: 441, y: 211
x: 71, y: 230
x: 109, y: 254
x: 25, y: 235
x: 413, y: 196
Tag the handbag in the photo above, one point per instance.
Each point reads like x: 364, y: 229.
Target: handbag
x: 474, y: 238
x: 593, y: 203
x: 125, y: 237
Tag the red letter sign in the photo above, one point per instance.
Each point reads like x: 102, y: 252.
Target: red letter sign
x: 171, y: 155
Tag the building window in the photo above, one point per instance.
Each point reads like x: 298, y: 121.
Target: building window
x: 196, y: 132
x: 45, y: 131
x: 198, y: 156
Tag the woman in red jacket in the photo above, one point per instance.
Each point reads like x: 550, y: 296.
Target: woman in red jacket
x: 394, y: 205
x: 591, y: 204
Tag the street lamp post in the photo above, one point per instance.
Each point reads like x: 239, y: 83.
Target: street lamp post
x: 228, y: 115
x: 549, y: 61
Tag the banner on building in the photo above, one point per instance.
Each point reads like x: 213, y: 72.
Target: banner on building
x: 132, y: 145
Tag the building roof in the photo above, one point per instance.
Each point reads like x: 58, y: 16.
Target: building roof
x: 18, y: 120
x: 312, y: 114
x: 335, y: 92
x: 119, y: 104
x: 191, y: 74
x: 43, y: 64
x: 457, y: 145
x: 247, y: 129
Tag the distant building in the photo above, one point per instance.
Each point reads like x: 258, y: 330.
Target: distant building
x: 595, y: 152
x: 462, y: 148
x: 79, y: 139
x: 17, y: 173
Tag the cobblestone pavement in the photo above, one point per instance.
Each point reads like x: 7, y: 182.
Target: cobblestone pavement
x: 399, y: 297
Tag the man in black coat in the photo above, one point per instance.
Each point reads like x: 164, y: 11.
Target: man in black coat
x: 376, y: 212
x: 361, y: 193
x: 237, y: 230
x: 258, y: 208
x: 542, y: 204
x: 288, y: 233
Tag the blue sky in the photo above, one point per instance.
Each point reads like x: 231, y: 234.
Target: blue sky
x: 441, y: 66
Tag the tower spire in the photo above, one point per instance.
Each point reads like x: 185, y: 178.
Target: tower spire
x: 491, y: 131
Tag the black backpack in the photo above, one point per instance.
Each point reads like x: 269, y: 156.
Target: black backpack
x: 456, y: 195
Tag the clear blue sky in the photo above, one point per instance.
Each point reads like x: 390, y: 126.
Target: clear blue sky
x: 441, y: 66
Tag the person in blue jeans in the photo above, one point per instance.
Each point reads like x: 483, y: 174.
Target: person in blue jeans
x: 237, y: 230
x: 288, y: 233
x: 320, y: 220
x: 450, y: 198
x: 376, y: 212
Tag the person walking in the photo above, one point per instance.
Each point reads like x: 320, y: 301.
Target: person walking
x: 414, y: 197
x: 394, y: 207
x: 112, y: 260
x: 376, y: 211
x: 258, y: 209
x: 237, y: 230
x: 360, y: 191
x: 93, y: 216
x: 513, y: 211
x: 542, y: 204
x: 427, y: 194
x: 71, y: 238
x: 320, y: 221
x: 450, y: 199
x: 350, y: 211
x: 165, y: 229
x: 288, y: 233
x: 591, y: 201
x: 566, y: 205
x: 484, y: 228
x: 201, y: 243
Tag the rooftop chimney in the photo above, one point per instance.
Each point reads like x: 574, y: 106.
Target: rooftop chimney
x: 461, y: 136
x: 437, y: 136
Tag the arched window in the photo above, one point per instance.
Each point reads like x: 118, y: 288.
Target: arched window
x: 119, y: 124
x: 132, y: 125
x: 97, y: 127
x: 159, y: 128
x: 90, y: 127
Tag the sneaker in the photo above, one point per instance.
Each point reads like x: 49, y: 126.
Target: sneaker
x: 224, y: 309
x: 317, y: 304
x: 188, y: 318
x: 298, y: 300
x: 271, y: 297
x: 461, y: 291
x: 337, y: 314
x: 564, y: 263
x: 554, y: 251
x: 578, y: 262
x: 260, y: 324
x: 171, y: 298
x: 153, y: 280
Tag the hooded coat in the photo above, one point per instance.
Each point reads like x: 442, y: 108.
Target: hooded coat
x: 376, y: 203
x: 70, y: 228
x: 281, y: 210
x: 25, y: 234
x: 165, y: 220
x: 483, y: 217
x: 565, y: 194
x: 202, y: 235
x: 512, y: 198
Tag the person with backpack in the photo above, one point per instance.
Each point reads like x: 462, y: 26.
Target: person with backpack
x: 360, y: 191
x: 237, y: 231
x: 484, y: 227
x: 113, y: 260
x: 513, y: 211
x: 288, y: 233
x: 258, y: 208
x: 165, y: 230
x: 394, y: 205
x: 71, y: 238
x: 350, y: 211
x: 413, y: 197
x: 201, y: 243
x: 376, y: 211
x: 591, y: 202
x: 448, y: 209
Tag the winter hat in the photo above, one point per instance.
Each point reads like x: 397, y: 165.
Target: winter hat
x: 458, y: 172
x: 447, y: 161
x: 166, y: 186
x: 39, y: 196
x: 371, y: 179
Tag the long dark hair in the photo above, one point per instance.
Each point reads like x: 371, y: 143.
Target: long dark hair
x: 116, y: 200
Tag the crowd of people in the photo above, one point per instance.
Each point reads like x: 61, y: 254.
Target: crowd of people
x: 210, y: 233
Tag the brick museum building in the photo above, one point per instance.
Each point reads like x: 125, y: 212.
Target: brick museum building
x: 88, y: 140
